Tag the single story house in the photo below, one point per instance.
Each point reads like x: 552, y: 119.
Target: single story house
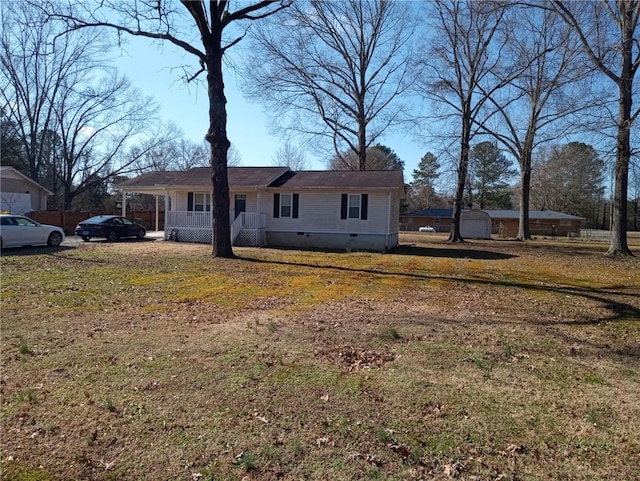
x: 439, y: 219
x: 19, y: 194
x: 275, y: 206
x: 541, y: 223
x: 504, y: 223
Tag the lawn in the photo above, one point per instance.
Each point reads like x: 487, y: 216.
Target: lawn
x: 491, y: 360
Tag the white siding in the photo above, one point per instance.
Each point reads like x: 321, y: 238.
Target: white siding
x: 252, y: 201
x: 319, y: 211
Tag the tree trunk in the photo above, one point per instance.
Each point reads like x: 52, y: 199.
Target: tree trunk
x: 217, y: 138
x: 463, y: 168
x: 525, y: 184
x: 619, y: 246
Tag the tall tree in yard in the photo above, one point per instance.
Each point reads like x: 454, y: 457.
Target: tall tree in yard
x: 335, y: 71
x: 459, y: 74
x: 75, y: 118
x: 539, y: 105
x: 165, y: 21
x: 32, y: 75
x: 608, y: 32
x: 424, y: 178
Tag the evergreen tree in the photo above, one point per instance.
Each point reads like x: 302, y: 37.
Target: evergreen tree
x: 570, y: 180
x: 489, y: 172
x: 424, y: 177
x: 379, y: 157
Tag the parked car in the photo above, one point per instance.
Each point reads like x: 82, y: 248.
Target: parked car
x: 427, y: 228
x: 18, y: 230
x: 110, y: 227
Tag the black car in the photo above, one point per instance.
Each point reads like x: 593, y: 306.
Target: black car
x: 110, y: 227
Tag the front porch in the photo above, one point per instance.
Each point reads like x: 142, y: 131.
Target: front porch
x: 247, y: 230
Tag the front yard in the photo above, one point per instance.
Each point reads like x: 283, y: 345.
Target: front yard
x: 487, y: 361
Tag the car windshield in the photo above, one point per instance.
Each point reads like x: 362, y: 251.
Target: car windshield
x: 97, y: 220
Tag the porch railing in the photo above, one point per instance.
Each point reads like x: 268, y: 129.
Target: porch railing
x: 175, y: 218
x: 248, y: 220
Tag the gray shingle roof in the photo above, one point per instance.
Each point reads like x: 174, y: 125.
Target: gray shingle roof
x: 201, y: 177
x: 243, y: 177
x: 533, y: 214
x: 342, y: 179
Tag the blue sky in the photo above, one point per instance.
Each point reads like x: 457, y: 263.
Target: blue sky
x: 155, y: 70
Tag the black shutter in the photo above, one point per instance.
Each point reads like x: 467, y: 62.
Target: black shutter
x: 190, y: 201
x: 343, y: 206
x: 295, y: 205
x: 276, y: 206
x: 364, y: 206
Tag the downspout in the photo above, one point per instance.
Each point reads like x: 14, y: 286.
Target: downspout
x: 124, y: 204
x: 157, y: 214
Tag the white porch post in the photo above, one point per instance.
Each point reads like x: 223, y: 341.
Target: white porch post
x: 124, y: 204
x: 157, y: 214
x: 166, y: 208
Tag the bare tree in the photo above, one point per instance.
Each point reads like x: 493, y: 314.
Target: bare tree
x: 174, y: 22
x: 379, y: 157
x: 34, y: 73
x: 96, y: 124
x: 608, y: 33
x: 537, y: 105
x: 76, y: 118
x: 289, y: 155
x: 335, y: 71
x: 459, y: 74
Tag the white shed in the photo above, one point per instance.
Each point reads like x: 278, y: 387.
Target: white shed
x: 475, y: 224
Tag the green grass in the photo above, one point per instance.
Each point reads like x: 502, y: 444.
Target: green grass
x: 158, y: 362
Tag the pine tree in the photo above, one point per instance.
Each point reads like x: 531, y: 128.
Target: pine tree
x: 490, y: 171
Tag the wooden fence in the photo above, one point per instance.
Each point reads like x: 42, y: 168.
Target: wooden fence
x: 69, y: 220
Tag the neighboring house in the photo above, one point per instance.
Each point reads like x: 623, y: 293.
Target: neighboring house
x: 275, y: 206
x: 504, y: 223
x: 541, y: 222
x: 19, y: 194
x: 439, y: 219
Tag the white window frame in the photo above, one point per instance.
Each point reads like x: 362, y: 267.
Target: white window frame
x: 286, y: 201
x: 201, y: 202
x: 357, y: 198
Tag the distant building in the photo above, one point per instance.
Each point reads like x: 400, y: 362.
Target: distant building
x: 439, y: 219
x: 541, y: 222
x: 19, y: 194
x: 504, y: 223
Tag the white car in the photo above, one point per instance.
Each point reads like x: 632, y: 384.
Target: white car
x: 427, y: 228
x: 18, y: 230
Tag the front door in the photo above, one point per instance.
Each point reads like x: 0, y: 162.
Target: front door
x: 240, y: 204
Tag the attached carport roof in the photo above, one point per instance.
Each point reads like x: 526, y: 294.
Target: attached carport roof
x: 239, y: 177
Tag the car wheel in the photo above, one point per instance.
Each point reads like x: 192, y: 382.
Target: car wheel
x: 141, y: 234
x: 113, y: 236
x: 55, y: 239
x: 86, y: 238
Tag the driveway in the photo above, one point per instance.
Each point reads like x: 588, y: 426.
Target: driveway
x: 75, y: 241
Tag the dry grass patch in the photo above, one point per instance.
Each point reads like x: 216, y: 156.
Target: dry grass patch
x: 490, y: 360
